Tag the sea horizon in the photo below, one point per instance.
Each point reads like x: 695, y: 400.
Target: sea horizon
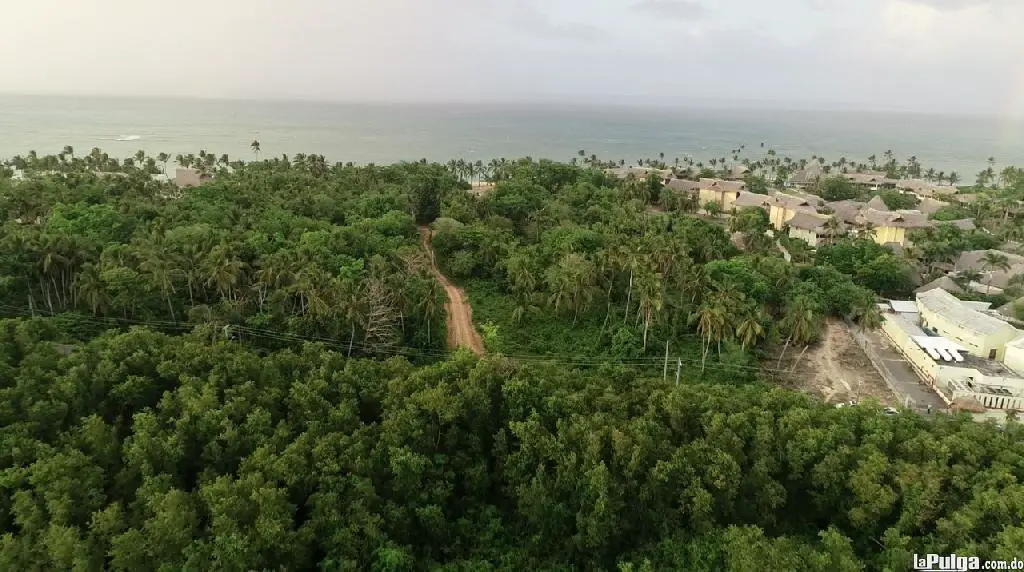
x: 386, y: 132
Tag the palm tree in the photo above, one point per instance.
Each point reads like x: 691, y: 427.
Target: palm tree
x: 997, y: 260
x: 89, y: 287
x: 801, y: 323
x: 750, y: 327
x: 163, y: 158
x: 255, y: 146
x: 711, y: 324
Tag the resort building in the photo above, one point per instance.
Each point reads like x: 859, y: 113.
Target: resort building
x: 944, y: 282
x: 806, y: 177
x: 930, y: 206
x: 746, y: 199
x: 1014, y: 355
x: 892, y: 227
x: 953, y: 368
x: 811, y: 228
x: 724, y: 193
x: 965, y: 323
x: 874, y: 180
x: 993, y: 276
x: 738, y: 173
x: 925, y: 189
x: 784, y: 206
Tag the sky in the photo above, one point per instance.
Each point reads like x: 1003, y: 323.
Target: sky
x: 944, y: 56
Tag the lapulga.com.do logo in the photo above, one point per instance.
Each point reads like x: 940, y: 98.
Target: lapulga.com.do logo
x: 954, y: 563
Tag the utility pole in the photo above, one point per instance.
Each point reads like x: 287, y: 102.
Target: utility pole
x: 679, y: 368
x: 664, y: 375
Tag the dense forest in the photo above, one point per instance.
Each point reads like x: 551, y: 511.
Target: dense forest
x: 252, y: 375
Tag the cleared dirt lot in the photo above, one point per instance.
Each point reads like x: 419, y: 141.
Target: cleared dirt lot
x: 836, y: 369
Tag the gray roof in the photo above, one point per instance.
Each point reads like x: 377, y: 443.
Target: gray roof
x: 722, y: 185
x: 925, y: 188
x: 807, y: 221
x: 878, y: 204
x: 930, y: 206
x: 791, y: 201
x: 683, y: 185
x: 748, y: 199
x: 869, y: 178
x: 975, y: 260
x: 847, y: 211
x: 945, y: 282
x: 952, y: 309
x: 899, y: 219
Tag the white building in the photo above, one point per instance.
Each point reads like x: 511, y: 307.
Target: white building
x: 965, y: 323
x: 1014, y: 357
x: 962, y: 378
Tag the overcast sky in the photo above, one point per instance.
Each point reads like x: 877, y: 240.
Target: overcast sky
x: 928, y: 55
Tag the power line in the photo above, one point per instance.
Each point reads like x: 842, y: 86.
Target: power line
x: 564, y: 360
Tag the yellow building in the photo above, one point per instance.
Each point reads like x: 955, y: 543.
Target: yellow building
x: 1014, y: 355
x: 785, y: 206
x: 808, y: 227
x: 892, y: 227
x: 723, y: 193
x: 980, y: 334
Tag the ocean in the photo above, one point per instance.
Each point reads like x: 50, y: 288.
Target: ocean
x: 389, y: 133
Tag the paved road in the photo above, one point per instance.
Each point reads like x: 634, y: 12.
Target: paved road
x: 898, y: 372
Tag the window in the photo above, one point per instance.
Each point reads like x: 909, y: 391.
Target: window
x: 992, y: 354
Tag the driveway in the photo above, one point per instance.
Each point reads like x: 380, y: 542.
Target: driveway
x: 902, y: 379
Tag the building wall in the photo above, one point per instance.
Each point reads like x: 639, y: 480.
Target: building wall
x: 1013, y: 358
x: 780, y: 215
x: 977, y: 344
x: 805, y: 235
x: 919, y: 359
x: 886, y: 234
x: 990, y: 401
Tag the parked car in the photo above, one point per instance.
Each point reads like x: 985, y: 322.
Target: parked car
x: 890, y: 411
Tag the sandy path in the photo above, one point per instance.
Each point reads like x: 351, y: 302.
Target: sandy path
x: 461, y: 332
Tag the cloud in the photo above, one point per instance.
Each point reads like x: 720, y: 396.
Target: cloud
x: 952, y: 4
x: 674, y: 9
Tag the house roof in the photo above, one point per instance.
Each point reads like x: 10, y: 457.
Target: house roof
x: 869, y: 178
x: 940, y: 302
x: 897, y: 219
x: 877, y: 203
x: 964, y: 224
x: 945, y: 282
x: 847, y: 211
x: 722, y: 185
x: 975, y: 259
x: 925, y: 188
x: 748, y: 199
x: 808, y: 221
x: 930, y: 206
x: 683, y: 185
x: 791, y: 201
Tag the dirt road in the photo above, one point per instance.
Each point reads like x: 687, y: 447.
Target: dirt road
x: 461, y: 332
